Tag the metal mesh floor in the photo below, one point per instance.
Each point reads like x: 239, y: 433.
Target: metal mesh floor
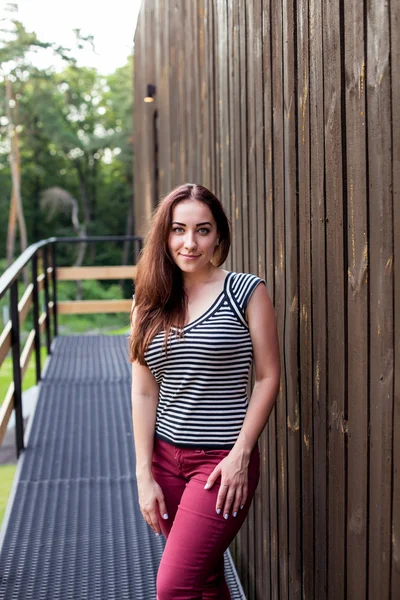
x: 73, y: 529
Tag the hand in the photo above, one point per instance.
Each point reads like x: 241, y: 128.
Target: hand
x: 151, y: 502
x: 233, y: 470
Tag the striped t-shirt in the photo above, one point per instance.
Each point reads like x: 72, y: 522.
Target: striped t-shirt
x: 203, y: 379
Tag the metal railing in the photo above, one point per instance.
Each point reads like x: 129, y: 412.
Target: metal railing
x: 45, y: 250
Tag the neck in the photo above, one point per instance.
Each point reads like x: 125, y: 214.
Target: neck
x: 198, y: 278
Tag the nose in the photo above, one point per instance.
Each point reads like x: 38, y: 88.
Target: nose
x: 190, y: 242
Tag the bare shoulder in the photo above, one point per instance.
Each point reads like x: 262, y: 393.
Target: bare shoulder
x: 260, y: 305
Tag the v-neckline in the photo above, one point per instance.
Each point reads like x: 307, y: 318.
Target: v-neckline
x: 211, y: 307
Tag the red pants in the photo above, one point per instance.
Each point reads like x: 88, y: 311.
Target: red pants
x: 192, y: 565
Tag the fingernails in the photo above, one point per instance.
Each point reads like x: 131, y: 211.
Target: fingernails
x: 226, y: 516
x: 157, y: 534
x: 235, y: 514
x: 242, y: 506
x: 165, y: 516
x: 207, y: 486
x: 218, y: 511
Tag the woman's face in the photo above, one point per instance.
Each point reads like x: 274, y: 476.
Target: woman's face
x: 193, y: 235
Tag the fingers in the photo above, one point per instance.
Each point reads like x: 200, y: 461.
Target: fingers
x: 213, y: 477
x: 153, y: 509
x: 238, y: 502
x: 162, y: 507
x: 152, y: 513
x: 231, y: 499
x: 151, y: 518
x: 244, y: 495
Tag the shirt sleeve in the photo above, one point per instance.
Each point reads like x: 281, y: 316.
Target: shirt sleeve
x: 245, y: 285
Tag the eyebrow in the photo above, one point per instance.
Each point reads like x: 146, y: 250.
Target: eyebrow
x: 197, y: 225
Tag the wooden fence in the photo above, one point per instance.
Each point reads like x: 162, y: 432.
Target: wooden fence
x: 290, y: 113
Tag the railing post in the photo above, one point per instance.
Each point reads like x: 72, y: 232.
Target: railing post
x: 46, y: 299
x: 16, y: 358
x: 54, y: 280
x: 36, y: 315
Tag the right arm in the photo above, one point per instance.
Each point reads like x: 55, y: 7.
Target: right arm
x: 144, y: 407
x: 145, y: 391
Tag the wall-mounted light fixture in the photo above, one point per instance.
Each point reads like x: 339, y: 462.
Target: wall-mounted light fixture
x: 151, y: 92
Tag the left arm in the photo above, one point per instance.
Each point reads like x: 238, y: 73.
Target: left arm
x: 264, y: 336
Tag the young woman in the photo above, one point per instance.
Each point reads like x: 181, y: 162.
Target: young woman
x: 195, y: 330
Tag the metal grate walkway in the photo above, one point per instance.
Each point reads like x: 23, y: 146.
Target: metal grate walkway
x: 73, y: 529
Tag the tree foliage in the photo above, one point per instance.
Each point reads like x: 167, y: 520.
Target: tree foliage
x: 75, y: 134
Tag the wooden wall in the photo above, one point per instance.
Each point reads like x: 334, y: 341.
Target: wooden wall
x: 290, y: 113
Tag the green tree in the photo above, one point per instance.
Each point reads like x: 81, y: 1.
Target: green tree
x: 75, y: 134
x: 14, y: 47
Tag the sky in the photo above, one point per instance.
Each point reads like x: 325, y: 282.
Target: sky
x: 111, y: 23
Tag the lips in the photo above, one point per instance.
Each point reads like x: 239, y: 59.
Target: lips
x: 190, y: 256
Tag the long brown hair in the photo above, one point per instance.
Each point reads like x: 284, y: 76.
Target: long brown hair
x: 160, y: 298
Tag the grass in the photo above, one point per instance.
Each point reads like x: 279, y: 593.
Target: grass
x: 7, y: 473
x: 6, y: 373
x: 122, y: 331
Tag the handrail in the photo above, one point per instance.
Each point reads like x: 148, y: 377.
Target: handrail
x: 41, y: 322
x: 11, y: 274
x: 15, y: 269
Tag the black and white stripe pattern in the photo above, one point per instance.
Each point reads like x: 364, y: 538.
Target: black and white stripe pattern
x: 203, y: 380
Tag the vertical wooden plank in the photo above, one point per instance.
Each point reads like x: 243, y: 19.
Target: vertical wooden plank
x: 269, y: 454
x: 259, y: 135
x: 143, y: 126
x: 163, y: 101
x: 305, y: 301
x: 190, y: 98
x: 291, y: 301
x: 197, y: 29
x: 279, y: 241
x: 237, y: 140
x: 211, y: 83
x: 217, y: 137
x: 232, y: 75
x: 336, y: 300
x: 205, y: 98
x: 357, y: 304
x: 318, y: 284
x: 244, y: 139
x: 252, y: 229
x: 243, y: 220
x: 136, y: 120
x: 181, y: 84
x: 150, y: 109
x: 395, y: 71
x: 177, y: 93
x: 261, y: 505
x: 381, y: 297
x: 223, y: 107
x: 173, y: 99
x: 251, y: 70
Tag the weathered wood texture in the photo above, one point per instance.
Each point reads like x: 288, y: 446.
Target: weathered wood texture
x: 290, y: 113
